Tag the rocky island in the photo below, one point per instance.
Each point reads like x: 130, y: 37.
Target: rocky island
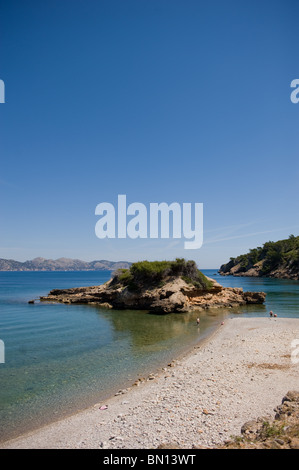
x: 158, y: 286
x: 274, y: 259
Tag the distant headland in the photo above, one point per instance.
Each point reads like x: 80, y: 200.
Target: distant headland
x: 61, y: 264
x: 274, y: 259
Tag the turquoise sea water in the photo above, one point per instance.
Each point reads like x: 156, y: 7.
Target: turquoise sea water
x: 62, y: 358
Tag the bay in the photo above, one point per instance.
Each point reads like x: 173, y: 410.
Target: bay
x: 63, y: 358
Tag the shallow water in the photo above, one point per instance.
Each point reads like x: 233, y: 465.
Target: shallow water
x: 61, y: 358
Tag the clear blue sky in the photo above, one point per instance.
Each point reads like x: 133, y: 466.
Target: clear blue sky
x: 161, y: 100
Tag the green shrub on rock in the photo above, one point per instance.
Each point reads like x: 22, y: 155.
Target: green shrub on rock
x: 154, y: 273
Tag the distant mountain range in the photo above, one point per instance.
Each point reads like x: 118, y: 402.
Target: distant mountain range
x: 61, y: 264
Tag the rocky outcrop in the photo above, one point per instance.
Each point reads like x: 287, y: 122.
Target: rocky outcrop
x: 280, y: 432
x: 282, y: 272
x: 175, y: 295
x: 274, y: 259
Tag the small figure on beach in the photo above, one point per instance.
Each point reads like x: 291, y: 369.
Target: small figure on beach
x: 275, y: 315
x: 197, y: 320
x: 271, y: 313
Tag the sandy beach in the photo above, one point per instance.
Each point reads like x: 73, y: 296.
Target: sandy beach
x: 239, y: 373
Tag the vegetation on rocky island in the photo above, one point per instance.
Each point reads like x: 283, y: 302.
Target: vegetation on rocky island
x: 155, y: 273
x: 158, y: 286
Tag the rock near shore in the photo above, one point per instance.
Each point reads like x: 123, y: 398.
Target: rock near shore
x: 176, y: 295
x: 280, y: 432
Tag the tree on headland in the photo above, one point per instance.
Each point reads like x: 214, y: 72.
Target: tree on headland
x: 283, y: 254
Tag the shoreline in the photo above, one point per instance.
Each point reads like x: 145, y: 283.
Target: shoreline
x: 124, y: 387
x: 239, y: 372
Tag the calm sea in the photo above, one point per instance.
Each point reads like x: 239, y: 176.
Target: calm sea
x: 62, y: 358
